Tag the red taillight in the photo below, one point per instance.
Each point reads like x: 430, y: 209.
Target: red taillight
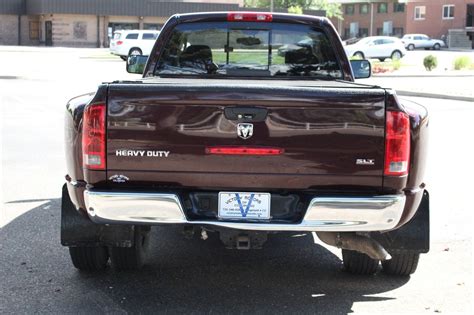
x: 119, y: 42
x: 93, y: 137
x: 397, y: 144
x: 243, y: 151
x: 249, y: 17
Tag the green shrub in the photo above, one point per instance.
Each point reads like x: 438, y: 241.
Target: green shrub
x: 396, y: 64
x: 430, y: 62
x: 462, y: 62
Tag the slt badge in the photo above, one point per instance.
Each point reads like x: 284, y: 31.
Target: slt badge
x: 244, y: 130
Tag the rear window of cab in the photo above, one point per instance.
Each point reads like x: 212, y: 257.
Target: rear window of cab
x: 248, y: 49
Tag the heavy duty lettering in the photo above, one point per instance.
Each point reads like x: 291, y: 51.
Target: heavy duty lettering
x: 141, y: 153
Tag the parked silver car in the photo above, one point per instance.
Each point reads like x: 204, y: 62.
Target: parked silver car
x: 413, y: 41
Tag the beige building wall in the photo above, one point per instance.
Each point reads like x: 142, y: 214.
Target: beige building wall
x: 8, y: 29
x: 30, y: 30
x: 72, y: 30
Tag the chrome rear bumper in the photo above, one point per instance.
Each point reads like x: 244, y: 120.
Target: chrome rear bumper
x: 330, y: 214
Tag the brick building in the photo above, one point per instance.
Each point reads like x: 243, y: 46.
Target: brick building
x: 450, y: 19
x: 440, y: 18
x: 370, y: 18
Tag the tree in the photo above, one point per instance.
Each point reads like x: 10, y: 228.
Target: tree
x: 295, y: 10
x: 332, y: 9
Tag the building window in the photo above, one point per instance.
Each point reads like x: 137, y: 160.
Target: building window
x: 34, y: 30
x: 420, y: 13
x: 347, y: 33
x: 448, y: 12
x: 382, y: 7
x: 152, y: 26
x: 399, y: 7
x: 364, y: 8
x: 363, y: 32
x: 379, y: 31
x: 349, y: 9
x: 398, y: 31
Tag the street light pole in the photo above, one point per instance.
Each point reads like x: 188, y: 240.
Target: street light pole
x: 271, y: 5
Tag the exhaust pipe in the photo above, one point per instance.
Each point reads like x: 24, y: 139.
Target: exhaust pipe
x: 352, y: 241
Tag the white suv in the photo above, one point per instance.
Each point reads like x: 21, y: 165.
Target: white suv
x: 133, y: 42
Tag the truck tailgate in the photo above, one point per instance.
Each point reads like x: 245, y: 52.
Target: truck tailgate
x: 329, y: 136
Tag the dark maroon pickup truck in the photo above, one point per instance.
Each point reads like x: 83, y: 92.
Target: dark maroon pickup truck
x: 246, y: 124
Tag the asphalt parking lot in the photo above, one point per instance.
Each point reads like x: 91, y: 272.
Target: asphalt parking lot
x: 292, y: 274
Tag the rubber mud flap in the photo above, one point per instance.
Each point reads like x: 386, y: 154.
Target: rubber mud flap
x: 78, y: 230
x: 413, y: 236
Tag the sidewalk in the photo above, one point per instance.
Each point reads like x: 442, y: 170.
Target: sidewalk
x: 444, y: 87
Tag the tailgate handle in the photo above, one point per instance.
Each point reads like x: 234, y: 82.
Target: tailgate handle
x: 253, y: 114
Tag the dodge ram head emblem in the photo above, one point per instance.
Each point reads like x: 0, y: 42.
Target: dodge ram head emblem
x: 244, y: 130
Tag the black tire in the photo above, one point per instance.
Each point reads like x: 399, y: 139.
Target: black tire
x: 396, y: 55
x: 411, y: 47
x: 437, y: 46
x: 382, y: 59
x: 359, y: 55
x: 134, y: 51
x: 131, y: 258
x: 89, y: 258
x: 358, y: 263
x: 403, y: 264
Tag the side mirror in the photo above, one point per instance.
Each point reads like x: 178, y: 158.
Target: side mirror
x: 136, y: 64
x: 361, y: 68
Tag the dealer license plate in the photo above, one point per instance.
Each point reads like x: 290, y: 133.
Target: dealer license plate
x: 244, y: 205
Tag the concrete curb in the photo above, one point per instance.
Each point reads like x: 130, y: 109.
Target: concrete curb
x: 462, y: 75
x: 432, y: 95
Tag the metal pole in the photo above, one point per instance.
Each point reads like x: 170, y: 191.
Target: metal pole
x: 372, y: 19
x: 19, y: 30
x: 271, y: 5
x: 98, y: 31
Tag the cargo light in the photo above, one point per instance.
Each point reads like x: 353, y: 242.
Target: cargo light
x: 244, y: 151
x: 397, y: 144
x: 93, y: 137
x: 249, y: 17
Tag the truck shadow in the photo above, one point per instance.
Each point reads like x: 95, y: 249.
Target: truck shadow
x: 289, y: 275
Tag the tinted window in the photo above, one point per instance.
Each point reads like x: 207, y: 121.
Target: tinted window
x: 363, y: 32
x: 258, y: 49
x: 418, y: 38
x: 132, y: 36
x: 150, y: 36
x: 382, y: 7
x: 388, y: 41
x: 349, y: 9
x: 378, y: 42
x: 399, y: 7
